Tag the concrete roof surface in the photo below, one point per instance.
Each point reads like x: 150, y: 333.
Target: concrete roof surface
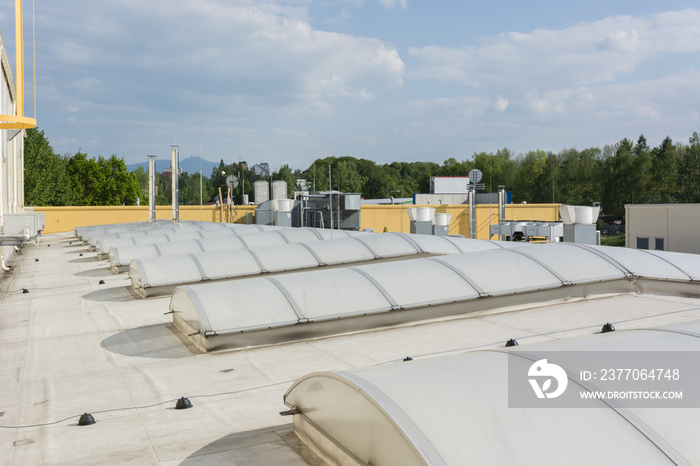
x: 72, y: 345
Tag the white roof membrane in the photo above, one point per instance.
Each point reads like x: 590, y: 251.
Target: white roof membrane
x: 133, y: 367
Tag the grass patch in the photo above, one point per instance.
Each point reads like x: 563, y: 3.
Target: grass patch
x: 617, y: 240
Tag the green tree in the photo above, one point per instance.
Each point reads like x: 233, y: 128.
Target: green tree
x: 189, y: 189
x: 46, y: 181
x: 120, y: 187
x: 532, y: 180
x: 452, y: 167
x: 141, y: 176
x: 619, y: 175
x: 86, y: 178
x: 664, y: 167
x: 690, y: 170
x: 317, y: 174
x: 348, y: 176
x: 578, y: 179
x: 642, y: 171
x: 498, y: 169
x: 102, y: 181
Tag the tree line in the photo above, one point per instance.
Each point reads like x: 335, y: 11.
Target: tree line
x: 615, y: 175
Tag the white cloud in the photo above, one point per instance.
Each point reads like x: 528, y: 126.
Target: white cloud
x: 264, y: 82
x: 585, y: 54
x: 289, y: 132
x: 239, y: 131
x: 648, y: 112
x: 366, y: 140
x: 392, y: 3
x: 265, y: 51
x: 501, y: 104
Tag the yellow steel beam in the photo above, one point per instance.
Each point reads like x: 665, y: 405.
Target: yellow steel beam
x: 18, y: 120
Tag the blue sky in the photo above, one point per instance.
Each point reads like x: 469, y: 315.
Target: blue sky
x: 292, y: 81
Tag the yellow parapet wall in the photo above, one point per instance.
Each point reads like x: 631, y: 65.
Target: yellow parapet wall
x: 63, y: 219
x: 377, y: 217
x: 395, y: 217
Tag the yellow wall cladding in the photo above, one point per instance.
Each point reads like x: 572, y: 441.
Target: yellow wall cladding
x: 378, y: 217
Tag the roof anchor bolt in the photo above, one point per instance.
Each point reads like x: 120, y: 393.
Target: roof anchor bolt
x: 183, y: 403
x: 607, y: 328
x: 86, y: 420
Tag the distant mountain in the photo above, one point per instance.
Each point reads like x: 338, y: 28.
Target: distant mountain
x: 189, y: 165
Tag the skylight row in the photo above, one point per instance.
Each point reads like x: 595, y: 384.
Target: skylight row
x: 120, y: 257
x: 155, y: 275
x: 330, y: 299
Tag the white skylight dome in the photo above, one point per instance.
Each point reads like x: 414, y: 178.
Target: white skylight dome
x: 366, y: 296
x: 157, y: 275
x: 455, y: 410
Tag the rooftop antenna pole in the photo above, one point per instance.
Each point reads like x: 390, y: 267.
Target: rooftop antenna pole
x: 175, y: 182
x: 201, y: 206
x: 330, y: 197
x: 151, y: 188
x: 242, y: 178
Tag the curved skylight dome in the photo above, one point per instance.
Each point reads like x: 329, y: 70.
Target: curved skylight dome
x: 364, y: 296
x: 157, y: 275
x: 455, y: 410
x: 92, y: 237
x: 83, y: 231
x: 172, y: 227
x: 120, y: 257
x: 105, y: 244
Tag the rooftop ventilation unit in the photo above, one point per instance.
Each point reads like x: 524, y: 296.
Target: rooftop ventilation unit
x: 261, y: 191
x: 18, y: 229
x: 441, y: 224
x: 331, y: 209
x: 278, y: 212
x: 421, y: 220
x: 580, y: 224
x: 279, y: 189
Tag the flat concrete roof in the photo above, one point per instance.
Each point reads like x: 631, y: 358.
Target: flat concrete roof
x: 72, y: 345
